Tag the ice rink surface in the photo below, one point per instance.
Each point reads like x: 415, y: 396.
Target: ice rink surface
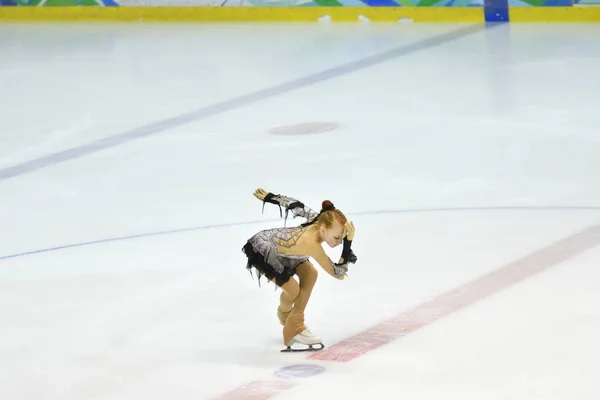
x: 128, y: 158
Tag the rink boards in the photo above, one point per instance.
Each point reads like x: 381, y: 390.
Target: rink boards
x: 295, y: 14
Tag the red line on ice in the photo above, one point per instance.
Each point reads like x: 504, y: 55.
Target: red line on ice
x: 257, y: 390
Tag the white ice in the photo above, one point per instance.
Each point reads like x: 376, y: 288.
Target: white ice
x: 506, y: 117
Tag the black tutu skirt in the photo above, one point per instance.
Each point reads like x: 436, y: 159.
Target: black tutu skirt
x: 257, y: 261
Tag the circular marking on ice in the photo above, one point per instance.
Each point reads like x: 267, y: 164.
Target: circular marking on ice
x: 299, y: 371
x: 306, y: 128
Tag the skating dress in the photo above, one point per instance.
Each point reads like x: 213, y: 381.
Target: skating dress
x: 262, y: 248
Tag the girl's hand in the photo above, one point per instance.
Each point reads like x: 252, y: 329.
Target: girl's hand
x: 350, y: 230
x: 260, y: 194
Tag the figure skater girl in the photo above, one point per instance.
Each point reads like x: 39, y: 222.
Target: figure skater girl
x: 280, y: 253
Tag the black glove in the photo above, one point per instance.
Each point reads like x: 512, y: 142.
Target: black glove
x: 273, y: 199
x: 347, y: 253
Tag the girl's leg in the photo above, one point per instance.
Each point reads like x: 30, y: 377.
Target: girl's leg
x: 289, y: 294
x: 294, y: 323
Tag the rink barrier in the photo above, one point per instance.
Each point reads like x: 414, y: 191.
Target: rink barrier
x: 244, y: 14
x: 555, y: 14
x: 297, y: 14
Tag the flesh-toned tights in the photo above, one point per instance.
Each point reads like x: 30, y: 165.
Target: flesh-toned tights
x: 293, y: 300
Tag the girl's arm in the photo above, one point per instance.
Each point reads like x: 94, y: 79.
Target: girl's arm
x: 336, y: 270
x: 297, y: 208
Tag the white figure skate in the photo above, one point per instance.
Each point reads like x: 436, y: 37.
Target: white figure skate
x: 307, y: 341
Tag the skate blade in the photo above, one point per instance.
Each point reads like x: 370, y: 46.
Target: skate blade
x: 311, y: 347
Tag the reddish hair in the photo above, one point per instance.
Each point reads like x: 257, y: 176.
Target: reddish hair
x: 329, y: 214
